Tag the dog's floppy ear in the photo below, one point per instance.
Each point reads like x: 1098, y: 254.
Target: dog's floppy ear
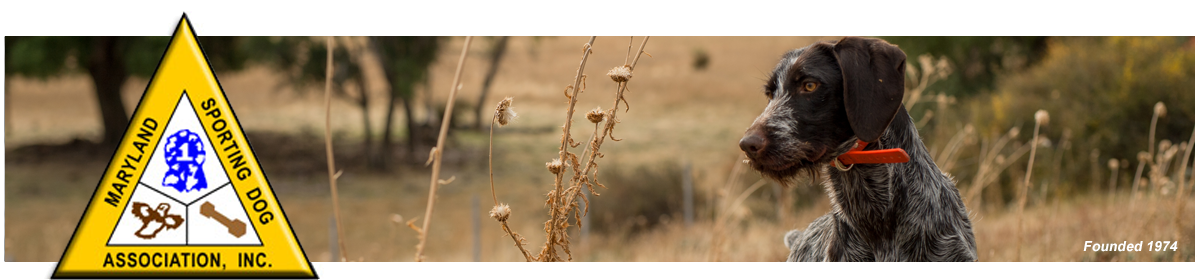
x: 873, y: 80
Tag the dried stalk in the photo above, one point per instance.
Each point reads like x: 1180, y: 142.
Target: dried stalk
x: 1183, y: 164
x: 563, y: 200
x: 1040, y: 118
x: 930, y: 73
x: 719, y: 226
x: 609, y: 125
x: 1182, y: 189
x: 991, y: 164
x: 947, y: 159
x: 435, y: 156
x: 1159, y: 166
x: 721, y: 208
x: 501, y: 212
x: 555, y: 237
x: 624, y: 73
x: 1159, y: 110
x: 333, y: 189
x: 1158, y: 170
x: 1060, y: 150
x: 1114, y: 166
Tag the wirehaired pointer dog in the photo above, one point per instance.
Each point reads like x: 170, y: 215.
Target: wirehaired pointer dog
x: 827, y: 102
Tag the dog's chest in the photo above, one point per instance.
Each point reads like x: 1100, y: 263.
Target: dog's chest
x: 870, y: 201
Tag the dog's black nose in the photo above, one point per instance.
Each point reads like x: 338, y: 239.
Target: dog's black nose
x: 753, y: 143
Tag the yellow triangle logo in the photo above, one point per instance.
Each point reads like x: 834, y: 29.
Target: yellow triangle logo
x: 183, y: 195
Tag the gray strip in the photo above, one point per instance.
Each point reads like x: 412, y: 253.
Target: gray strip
x: 207, y: 23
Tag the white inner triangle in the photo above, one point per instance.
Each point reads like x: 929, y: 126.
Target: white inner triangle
x: 184, y: 118
x: 226, y: 224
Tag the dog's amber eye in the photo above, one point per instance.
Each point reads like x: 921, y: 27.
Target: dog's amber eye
x: 810, y: 86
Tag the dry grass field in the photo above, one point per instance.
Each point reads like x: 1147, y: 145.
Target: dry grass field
x: 679, y: 115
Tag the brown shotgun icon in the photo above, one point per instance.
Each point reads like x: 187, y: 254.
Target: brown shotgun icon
x: 237, y: 228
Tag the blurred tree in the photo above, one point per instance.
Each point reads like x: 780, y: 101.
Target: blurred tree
x: 405, y: 62
x: 301, y: 60
x: 496, y: 53
x: 109, y: 61
x: 1103, y: 90
x: 977, y: 61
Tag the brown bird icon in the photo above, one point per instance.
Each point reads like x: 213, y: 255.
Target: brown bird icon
x: 154, y: 220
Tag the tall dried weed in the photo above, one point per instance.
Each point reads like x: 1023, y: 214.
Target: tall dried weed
x: 567, y: 199
x: 435, y: 155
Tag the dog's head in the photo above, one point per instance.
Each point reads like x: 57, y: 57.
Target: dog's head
x: 821, y: 97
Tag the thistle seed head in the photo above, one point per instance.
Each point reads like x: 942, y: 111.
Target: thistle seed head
x: 1169, y: 153
x: 621, y: 73
x: 555, y: 166
x: 500, y: 212
x: 1143, y: 156
x: 1044, y: 142
x: 1013, y: 132
x: 1042, y: 117
x: 1164, y: 144
x: 1160, y: 109
x: 596, y: 115
x: 968, y: 134
x: 1113, y: 164
x: 505, y: 112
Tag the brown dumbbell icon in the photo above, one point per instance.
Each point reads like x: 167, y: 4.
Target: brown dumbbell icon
x: 236, y: 227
